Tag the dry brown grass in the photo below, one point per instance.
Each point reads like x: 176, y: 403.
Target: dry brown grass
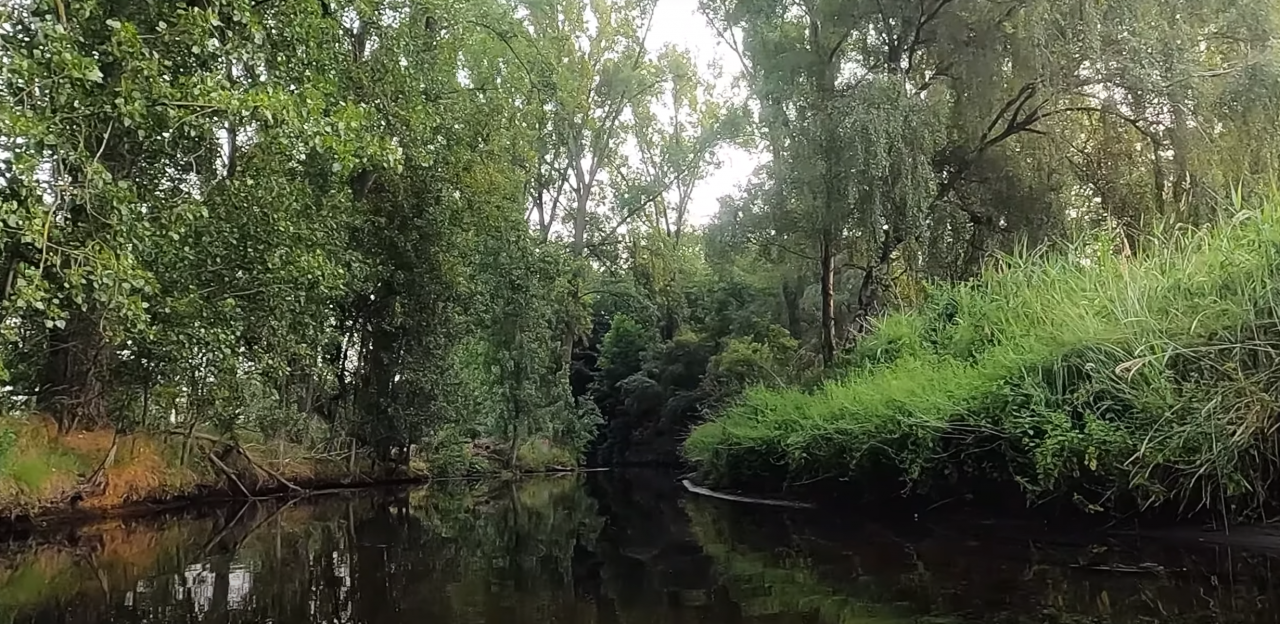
x: 45, y: 470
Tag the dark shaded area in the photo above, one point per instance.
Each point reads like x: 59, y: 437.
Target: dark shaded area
x: 609, y: 548
x: 649, y: 400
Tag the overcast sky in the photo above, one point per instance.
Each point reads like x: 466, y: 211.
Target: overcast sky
x: 679, y: 22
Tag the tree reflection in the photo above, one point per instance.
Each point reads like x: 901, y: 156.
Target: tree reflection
x: 612, y: 549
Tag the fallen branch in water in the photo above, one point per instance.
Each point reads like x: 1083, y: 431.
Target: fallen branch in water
x: 274, y: 475
x: 697, y: 489
x: 216, y: 440
x: 1119, y: 567
x: 208, y: 545
x: 229, y: 473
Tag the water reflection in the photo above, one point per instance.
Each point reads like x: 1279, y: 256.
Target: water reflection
x: 977, y: 572
x: 609, y: 549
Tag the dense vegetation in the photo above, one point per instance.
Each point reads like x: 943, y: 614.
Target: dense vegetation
x: 435, y: 230
x: 1081, y: 373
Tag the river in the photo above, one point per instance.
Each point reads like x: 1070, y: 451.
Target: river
x: 605, y: 548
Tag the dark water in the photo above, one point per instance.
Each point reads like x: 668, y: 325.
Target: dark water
x: 605, y: 549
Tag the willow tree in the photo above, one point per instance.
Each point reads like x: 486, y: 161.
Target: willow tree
x: 923, y: 133
x: 847, y: 132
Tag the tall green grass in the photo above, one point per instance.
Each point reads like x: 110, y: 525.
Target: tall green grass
x: 1140, y: 381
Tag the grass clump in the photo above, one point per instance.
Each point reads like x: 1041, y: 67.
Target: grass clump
x: 542, y: 455
x: 33, y: 466
x: 1078, y: 374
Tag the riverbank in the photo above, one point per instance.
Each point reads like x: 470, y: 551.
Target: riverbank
x: 52, y: 477
x: 47, y: 473
x: 1087, y: 378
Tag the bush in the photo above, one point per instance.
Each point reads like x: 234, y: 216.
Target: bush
x: 623, y: 349
x: 1079, y: 374
x: 745, y: 362
x: 540, y: 455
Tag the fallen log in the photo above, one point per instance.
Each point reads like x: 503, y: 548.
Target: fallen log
x: 697, y: 489
x: 96, y: 483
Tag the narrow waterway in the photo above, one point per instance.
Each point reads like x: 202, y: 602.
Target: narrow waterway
x: 606, y: 548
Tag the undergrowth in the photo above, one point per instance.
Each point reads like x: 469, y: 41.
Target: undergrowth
x: 1115, y: 382
x: 41, y: 469
x: 542, y: 455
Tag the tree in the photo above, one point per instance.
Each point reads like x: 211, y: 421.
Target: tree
x: 926, y: 133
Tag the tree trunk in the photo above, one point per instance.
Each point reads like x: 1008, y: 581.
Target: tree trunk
x: 579, y: 250
x: 1183, y: 182
x: 827, y: 267
x: 835, y: 195
x: 517, y: 415
x: 979, y: 239
x: 869, y: 291
x: 580, y: 224
x: 299, y: 387
x: 791, y: 301
x: 568, y: 328
x: 670, y: 322
x: 73, y: 389
x: 379, y: 366
x: 1158, y: 177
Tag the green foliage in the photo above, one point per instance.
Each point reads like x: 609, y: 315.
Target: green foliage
x: 745, y: 361
x: 1116, y: 381
x: 541, y: 455
x: 381, y: 222
x: 623, y: 349
x: 295, y: 238
x: 448, y: 454
x: 32, y: 473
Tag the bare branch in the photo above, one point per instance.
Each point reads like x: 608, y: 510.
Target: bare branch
x: 917, y: 38
x: 1014, y: 103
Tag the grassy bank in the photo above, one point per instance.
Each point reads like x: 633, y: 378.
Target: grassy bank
x: 1081, y: 375
x: 43, y: 471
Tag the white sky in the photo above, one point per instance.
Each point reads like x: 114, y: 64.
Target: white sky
x: 678, y: 22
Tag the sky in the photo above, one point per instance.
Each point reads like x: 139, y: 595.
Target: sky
x: 678, y: 22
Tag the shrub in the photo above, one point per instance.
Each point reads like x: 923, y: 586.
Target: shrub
x: 539, y: 455
x: 745, y: 362
x: 623, y: 350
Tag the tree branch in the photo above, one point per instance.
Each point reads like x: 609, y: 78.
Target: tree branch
x: 765, y: 242
x: 917, y: 39
x: 1015, y: 104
